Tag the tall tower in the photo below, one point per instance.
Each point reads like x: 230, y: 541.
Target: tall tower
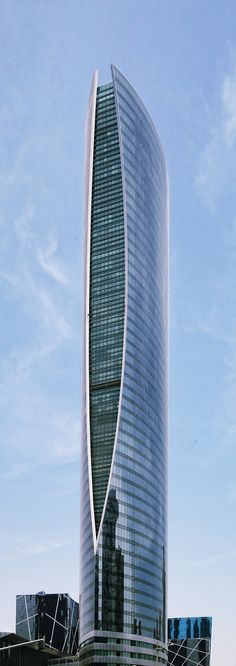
x: 124, y: 429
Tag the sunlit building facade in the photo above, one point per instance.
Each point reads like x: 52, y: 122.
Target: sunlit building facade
x: 124, y: 425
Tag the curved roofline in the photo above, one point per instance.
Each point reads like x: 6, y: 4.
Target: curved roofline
x: 90, y: 130
x: 115, y: 69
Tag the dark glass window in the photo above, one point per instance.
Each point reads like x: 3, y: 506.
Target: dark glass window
x: 107, y: 294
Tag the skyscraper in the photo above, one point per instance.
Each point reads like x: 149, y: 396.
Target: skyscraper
x: 124, y: 428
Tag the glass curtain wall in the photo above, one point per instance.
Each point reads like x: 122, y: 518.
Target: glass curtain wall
x: 123, y: 573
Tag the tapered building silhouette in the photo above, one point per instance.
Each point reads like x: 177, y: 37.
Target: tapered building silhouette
x: 124, y: 428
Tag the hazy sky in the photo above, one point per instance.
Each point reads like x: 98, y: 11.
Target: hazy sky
x: 180, y: 55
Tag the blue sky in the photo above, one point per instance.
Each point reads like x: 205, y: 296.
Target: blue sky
x: 180, y: 55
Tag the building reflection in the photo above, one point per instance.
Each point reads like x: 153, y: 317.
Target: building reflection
x: 112, y: 570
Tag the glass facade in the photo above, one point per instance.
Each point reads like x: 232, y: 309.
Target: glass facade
x: 107, y: 294
x: 53, y: 616
x: 124, y: 442
x: 189, y: 641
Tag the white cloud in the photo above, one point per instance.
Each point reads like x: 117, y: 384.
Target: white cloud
x: 15, y: 471
x: 229, y: 108
x: 50, y: 317
x: 232, y: 491
x: 55, y: 435
x: 17, y: 171
x: 11, y: 279
x: 219, y: 325
x: 27, y: 282
x: 23, y: 225
x: 67, y: 490
x: 215, y: 326
x: 18, y: 546
x: 29, y: 407
x: 49, y: 265
x: 218, y: 160
x: 211, y: 176
x: 66, y: 442
x: 228, y: 555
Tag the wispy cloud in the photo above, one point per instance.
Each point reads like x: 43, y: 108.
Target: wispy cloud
x: 30, y: 409
x: 229, y: 108
x: 65, y: 445
x: 28, y: 284
x: 215, y: 326
x: 23, y: 225
x: 55, y: 436
x: 218, y: 557
x: 218, y: 159
x: 211, y: 176
x: 19, y: 546
x: 51, y: 317
x: 63, y: 485
x: 15, y: 471
x: 232, y: 491
x: 49, y: 265
x: 219, y: 325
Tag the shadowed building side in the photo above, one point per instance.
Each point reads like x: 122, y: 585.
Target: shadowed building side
x: 54, y: 617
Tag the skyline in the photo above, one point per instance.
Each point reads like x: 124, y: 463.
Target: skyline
x: 183, y: 66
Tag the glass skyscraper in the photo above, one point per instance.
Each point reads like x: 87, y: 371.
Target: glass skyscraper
x: 124, y: 425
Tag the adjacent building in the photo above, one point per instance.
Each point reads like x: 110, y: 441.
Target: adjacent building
x: 52, y: 616
x: 16, y: 651
x: 124, y: 428
x: 189, y: 641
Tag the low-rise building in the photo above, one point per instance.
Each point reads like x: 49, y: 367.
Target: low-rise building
x: 16, y: 651
x: 189, y: 641
x: 52, y: 616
